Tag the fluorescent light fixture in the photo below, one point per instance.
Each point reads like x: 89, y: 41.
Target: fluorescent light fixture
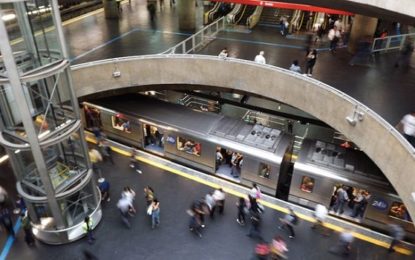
x: 319, y: 171
x: 17, y: 151
x: 8, y: 17
x: 4, y: 158
x: 161, y: 126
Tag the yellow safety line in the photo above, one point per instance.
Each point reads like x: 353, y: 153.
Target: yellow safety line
x: 265, y: 203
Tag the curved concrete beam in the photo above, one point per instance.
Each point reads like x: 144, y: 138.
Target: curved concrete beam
x: 378, y: 139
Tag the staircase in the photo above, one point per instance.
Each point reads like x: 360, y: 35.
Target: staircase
x: 248, y: 12
x: 272, y: 16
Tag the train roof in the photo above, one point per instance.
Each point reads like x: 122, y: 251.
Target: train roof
x: 163, y: 112
x: 352, y: 164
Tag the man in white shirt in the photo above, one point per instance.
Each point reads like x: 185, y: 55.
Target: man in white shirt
x: 260, y: 58
x: 219, y: 197
x: 407, y: 127
x: 223, y: 54
x: 334, y: 36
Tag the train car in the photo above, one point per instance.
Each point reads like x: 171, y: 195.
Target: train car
x: 322, y: 168
x: 227, y: 147
x: 213, y: 143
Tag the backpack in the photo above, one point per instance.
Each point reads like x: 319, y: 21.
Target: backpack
x: 295, y: 219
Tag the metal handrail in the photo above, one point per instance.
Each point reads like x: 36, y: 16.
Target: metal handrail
x: 394, y: 42
x: 254, y: 18
x: 358, y: 105
x: 205, y: 34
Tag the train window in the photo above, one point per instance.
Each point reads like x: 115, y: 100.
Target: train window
x: 307, y: 184
x: 188, y: 146
x: 121, y: 124
x: 398, y: 210
x: 264, y: 170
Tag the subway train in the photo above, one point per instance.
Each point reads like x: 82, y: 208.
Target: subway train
x: 251, y: 153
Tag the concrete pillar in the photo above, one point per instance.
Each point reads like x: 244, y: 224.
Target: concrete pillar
x: 111, y: 8
x: 187, y: 14
x: 362, y: 27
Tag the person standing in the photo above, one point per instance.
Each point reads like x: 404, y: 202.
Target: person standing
x: 87, y: 226
x: 289, y: 221
x: 241, y: 205
x: 341, y: 199
x: 133, y: 162
x: 219, y: 197
x: 210, y: 202
x: 334, y: 36
x: 407, y: 127
x: 155, y: 213
x: 311, y: 59
x: 260, y: 58
x: 27, y: 228
x: 148, y: 195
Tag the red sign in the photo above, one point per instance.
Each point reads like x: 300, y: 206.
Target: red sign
x: 286, y: 6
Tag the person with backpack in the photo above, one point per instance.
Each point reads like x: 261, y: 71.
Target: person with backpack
x: 289, y: 221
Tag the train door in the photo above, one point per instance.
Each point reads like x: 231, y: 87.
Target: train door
x: 153, y: 139
x: 349, y: 202
x: 92, y: 117
x: 228, y: 163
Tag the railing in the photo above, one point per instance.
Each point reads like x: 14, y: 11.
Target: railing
x: 394, y: 42
x: 254, y: 18
x: 200, y: 104
x: 191, y: 44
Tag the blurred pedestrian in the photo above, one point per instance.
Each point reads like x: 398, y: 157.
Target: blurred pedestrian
x: 344, y: 244
x: 6, y: 221
x: 151, y: 7
x: 155, y: 213
x: 124, y: 205
x: 104, y: 188
x: 134, y: 163
x: 260, y: 58
x: 211, y: 204
x: 88, y: 255
x: 278, y: 248
x: 397, y: 234
x: 27, y: 228
x: 407, y: 127
x: 223, y: 54
x: 219, y: 197
x: 242, y: 208
x: 262, y: 251
x: 311, y: 59
x: 3, y: 196
x: 95, y: 158
x: 106, y: 151
x: 320, y: 215
x: 194, y: 223
x: 404, y: 58
x: 197, y: 208
x: 87, y: 226
x: 129, y: 194
x: 334, y: 37
x: 255, y: 192
x: 289, y: 221
x: 255, y: 229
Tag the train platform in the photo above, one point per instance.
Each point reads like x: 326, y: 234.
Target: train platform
x: 385, y: 89
x: 177, y: 187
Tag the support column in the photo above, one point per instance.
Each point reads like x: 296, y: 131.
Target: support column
x: 362, y: 27
x: 187, y: 14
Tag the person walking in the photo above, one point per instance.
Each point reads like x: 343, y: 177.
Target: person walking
x: 311, y: 59
x: 155, y: 213
x: 407, y: 127
x: 219, y: 197
x: 95, y: 157
x: 255, y: 192
x: 104, y: 188
x: 87, y: 226
x: 129, y: 194
x: 255, y: 229
x: 334, y: 37
x: 320, y: 215
x: 278, y: 248
x: 289, y: 221
x: 124, y: 205
x: 211, y: 204
x: 260, y: 58
x: 344, y: 244
x: 106, y: 151
x: 397, y: 234
x: 133, y: 162
x: 27, y: 228
x: 241, y: 205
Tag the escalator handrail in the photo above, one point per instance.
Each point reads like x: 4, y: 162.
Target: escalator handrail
x: 253, y: 19
x: 230, y: 18
x: 242, y: 14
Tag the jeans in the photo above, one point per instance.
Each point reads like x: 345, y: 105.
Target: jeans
x: 155, y: 218
x: 339, y: 206
x: 241, y: 216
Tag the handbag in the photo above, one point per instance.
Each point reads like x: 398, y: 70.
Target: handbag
x: 150, y: 210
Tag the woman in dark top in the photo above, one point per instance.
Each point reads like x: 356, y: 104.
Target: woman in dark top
x: 311, y: 61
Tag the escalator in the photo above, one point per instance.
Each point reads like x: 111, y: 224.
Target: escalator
x: 248, y: 11
x: 273, y: 16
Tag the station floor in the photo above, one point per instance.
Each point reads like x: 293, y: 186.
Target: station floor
x: 223, y: 238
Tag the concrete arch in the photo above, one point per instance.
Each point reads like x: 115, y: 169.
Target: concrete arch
x: 378, y: 139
